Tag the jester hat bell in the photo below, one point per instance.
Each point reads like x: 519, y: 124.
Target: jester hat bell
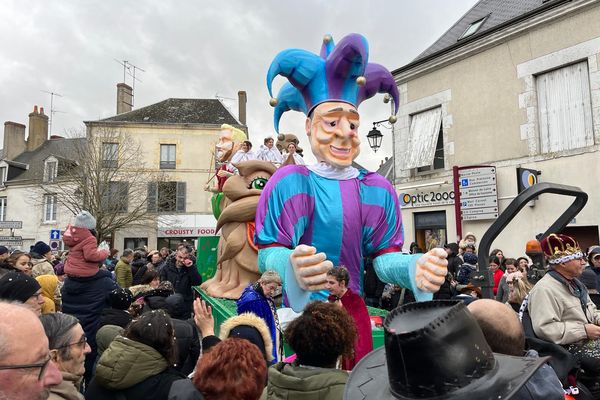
x: 339, y: 73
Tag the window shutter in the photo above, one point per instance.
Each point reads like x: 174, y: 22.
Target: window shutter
x: 152, y: 196
x: 420, y: 143
x: 180, y: 201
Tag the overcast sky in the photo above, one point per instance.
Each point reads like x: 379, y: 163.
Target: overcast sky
x: 195, y: 49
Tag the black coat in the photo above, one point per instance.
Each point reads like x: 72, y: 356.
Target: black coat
x: 156, y: 387
x: 112, y: 316
x: 188, y: 345
x: 182, y: 279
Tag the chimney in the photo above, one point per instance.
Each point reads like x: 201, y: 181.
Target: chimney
x: 14, y: 140
x: 242, y: 99
x: 124, y: 98
x: 38, y: 129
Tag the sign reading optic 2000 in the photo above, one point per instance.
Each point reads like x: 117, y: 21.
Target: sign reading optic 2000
x: 426, y: 198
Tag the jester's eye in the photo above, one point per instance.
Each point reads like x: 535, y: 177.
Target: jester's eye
x: 258, y: 183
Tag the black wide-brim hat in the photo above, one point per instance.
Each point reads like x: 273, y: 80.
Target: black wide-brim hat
x: 435, y: 350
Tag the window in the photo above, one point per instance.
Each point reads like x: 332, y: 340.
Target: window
x: 471, y: 29
x: 115, y: 197
x: 438, y: 156
x: 50, y: 171
x: 50, y: 208
x: 2, y: 208
x: 110, y: 155
x: 3, y: 172
x: 135, y: 243
x: 166, y: 196
x: 167, y: 156
x: 422, y: 139
x: 564, y: 105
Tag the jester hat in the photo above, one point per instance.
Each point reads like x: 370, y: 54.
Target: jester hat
x: 339, y: 73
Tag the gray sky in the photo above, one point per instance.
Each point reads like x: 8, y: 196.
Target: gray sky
x: 195, y: 49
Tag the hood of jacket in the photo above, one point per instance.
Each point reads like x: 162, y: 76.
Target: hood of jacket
x: 254, y: 321
x: 126, y: 363
x: 48, y: 284
x: 73, y: 235
x: 286, y: 379
x: 41, y: 266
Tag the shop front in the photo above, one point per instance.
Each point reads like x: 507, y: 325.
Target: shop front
x: 175, y: 229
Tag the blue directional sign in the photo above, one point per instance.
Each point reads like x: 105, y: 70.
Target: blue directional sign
x: 55, y: 234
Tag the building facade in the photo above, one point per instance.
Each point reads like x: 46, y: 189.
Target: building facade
x: 511, y: 85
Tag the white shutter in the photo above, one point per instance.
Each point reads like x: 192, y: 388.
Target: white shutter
x: 419, y: 146
x: 565, y: 108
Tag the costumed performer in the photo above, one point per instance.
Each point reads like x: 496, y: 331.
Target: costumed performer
x: 292, y: 156
x: 245, y: 153
x: 310, y: 218
x: 269, y: 152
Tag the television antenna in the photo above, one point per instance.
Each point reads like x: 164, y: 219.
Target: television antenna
x: 52, y: 110
x: 130, y: 69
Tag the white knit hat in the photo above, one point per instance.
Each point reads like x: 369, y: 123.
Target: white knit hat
x: 85, y: 220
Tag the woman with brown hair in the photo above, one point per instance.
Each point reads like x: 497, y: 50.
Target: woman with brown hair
x: 320, y: 337
x: 20, y: 261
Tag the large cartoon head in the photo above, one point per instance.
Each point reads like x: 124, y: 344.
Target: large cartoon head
x: 333, y: 133
x: 229, y: 142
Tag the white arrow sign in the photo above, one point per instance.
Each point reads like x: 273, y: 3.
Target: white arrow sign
x: 479, y: 216
x: 471, y: 172
x: 478, y: 202
x: 477, y: 191
x: 484, y: 210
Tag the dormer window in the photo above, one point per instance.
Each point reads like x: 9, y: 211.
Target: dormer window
x: 50, y: 170
x: 473, y: 28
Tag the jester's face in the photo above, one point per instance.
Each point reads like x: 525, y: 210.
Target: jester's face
x: 333, y: 133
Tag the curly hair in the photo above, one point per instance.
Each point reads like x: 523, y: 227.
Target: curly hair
x: 233, y: 369
x: 322, y: 334
x: 154, y: 329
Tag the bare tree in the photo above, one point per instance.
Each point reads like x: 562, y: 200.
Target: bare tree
x: 105, y: 174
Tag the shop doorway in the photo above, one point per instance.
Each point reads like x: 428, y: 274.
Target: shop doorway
x: 430, y: 229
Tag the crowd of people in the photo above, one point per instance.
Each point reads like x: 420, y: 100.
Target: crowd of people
x: 128, y: 326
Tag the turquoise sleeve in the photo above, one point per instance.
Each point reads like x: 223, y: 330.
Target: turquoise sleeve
x: 278, y: 259
x: 400, y: 269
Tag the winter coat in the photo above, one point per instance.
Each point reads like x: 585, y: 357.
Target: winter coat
x: 256, y: 303
x: 123, y: 273
x: 68, y: 389
x: 131, y: 370
x: 41, y: 266
x: 188, y: 345
x: 106, y: 335
x: 137, y: 264
x: 84, y: 256
x: 49, y: 283
x: 112, y: 316
x: 183, y: 279
x: 184, y: 389
x: 464, y: 273
x: 502, y: 293
x: 85, y: 298
x: 290, y: 381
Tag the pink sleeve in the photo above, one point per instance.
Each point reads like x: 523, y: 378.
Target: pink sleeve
x: 91, y: 252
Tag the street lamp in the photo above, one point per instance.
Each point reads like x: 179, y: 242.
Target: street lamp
x: 374, y: 137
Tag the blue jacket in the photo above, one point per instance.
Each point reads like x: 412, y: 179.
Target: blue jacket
x: 258, y: 304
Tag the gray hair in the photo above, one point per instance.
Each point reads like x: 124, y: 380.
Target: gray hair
x: 57, y: 327
x: 127, y: 253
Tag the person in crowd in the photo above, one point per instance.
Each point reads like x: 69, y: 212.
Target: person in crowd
x: 138, y: 365
x: 522, y: 263
x: 181, y: 271
x: 373, y: 286
x: 68, y: 347
x: 111, y: 261
x: 498, y: 253
x: 454, y: 261
x: 510, y: 265
x: 138, y: 262
x: 233, y: 369
x: 588, y: 278
x: 85, y: 256
x: 257, y: 298
x: 164, y: 253
x: 467, y: 268
x: 243, y: 326
x: 593, y: 258
x: 188, y: 340
x: 468, y: 293
x: 494, y: 264
x: 16, y: 286
x: 292, y: 157
x: 269, y: 152
x: 149, y: 281
x: 245, y: 153
x: 49, y: 285
x: 123, y: 271
x: 337, y: 284
x: 469, y: 241
x: 518, y: 289
x: 155, y: 260
x: 120, y: 300
x: 41, y: 258
x: 504, y: 333
x: 319, y: 337
x: 104, y: 338
x: 85, y: 298
x: 4, y: 265
x: 559, y: 305
x: 19, y: 261
x: 59, y: 270
x: 26, y: 372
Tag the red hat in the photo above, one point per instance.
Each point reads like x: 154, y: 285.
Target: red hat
x: 560, y: 248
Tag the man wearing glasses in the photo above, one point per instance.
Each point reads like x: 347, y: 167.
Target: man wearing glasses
x: 68, y: 347
x: 26, y: 372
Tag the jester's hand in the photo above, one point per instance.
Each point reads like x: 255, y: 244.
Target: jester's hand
x: 310, y: 267
x: 432, y: 269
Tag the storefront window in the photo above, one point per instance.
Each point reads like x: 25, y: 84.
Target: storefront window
x: 172, y: 242
x: 135, y: 243
x: 430, y: 229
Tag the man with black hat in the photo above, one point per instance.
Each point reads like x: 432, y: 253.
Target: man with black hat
x: 559, y: 305
x: 436, y: 350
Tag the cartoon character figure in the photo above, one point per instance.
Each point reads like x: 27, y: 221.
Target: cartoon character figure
x: 236, y: 252
x: 310, y: 218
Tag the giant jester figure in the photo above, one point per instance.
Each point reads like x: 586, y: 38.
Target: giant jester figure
x: 310, y: 218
